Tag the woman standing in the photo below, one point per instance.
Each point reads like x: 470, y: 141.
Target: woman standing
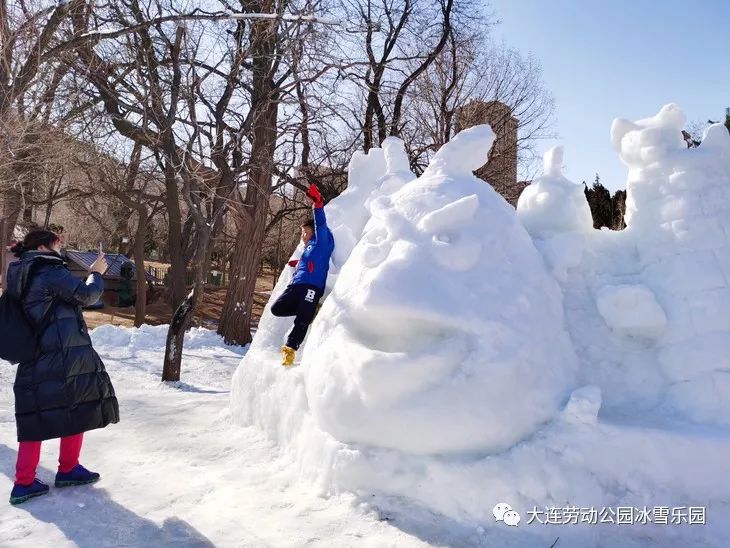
x: 65, y: 391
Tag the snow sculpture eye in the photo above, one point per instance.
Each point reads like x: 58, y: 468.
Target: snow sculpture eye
x: 457, y: 251
x: 454, y: 247
x: 377, y: 244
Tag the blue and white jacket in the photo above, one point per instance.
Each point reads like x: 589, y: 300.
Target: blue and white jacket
x: 314, y: 263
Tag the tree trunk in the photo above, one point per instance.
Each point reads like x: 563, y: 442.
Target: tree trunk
x: 235, y: 324
x: 184, y: 315
x: 11, y: 207
x: 47, y: 217
x: 175, y: 238
x: 176, y: 337
x: 28, y: 210
x: 140, y: 306
x: 121, y: 229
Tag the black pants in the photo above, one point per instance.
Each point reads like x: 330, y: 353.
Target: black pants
x: 300, y: 301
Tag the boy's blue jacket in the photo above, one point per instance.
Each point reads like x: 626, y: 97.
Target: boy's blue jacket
x: 315, y: 261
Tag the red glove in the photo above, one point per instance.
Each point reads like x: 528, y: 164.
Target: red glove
x: 293, y: 263
x: 314, y: 195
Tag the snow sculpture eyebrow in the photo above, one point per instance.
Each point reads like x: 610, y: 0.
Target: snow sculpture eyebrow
x: 451, y: 215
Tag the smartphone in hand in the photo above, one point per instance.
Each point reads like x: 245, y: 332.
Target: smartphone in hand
x: 100, y: 264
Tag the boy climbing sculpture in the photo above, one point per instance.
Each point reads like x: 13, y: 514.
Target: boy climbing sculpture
x: 301, y: 297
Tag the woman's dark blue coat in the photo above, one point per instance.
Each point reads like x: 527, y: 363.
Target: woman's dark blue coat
x: 66, y: 389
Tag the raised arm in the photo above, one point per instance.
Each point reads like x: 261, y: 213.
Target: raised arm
x: 320, y: 219
x: 320, y: 222
x: 62, y: 284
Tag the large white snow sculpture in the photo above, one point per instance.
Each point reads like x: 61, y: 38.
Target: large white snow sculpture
x: 678, y: 211
x: 444, y: 332
x: 442, y: 342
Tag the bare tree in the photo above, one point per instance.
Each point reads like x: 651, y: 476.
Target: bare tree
x: 402, y: 39
x: 28, y: 30
x: 205, y: 101
x: 284, y: 64
x: 144, y: 87
x: 473, y: 71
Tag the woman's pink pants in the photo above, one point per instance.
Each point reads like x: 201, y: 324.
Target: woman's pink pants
x: 29, y: 453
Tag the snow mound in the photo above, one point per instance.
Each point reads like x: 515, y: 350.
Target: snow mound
x: 425, y: 332
x: 153, y: 337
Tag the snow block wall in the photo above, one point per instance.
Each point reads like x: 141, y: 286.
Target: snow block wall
x: 661, y: 287
x: 466, y: 355
x: 678, y: 212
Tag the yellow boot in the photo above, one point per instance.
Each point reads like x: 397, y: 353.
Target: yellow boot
x: 287, y: 356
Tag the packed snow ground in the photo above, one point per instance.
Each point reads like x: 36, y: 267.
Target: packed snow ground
x: 176, y: 472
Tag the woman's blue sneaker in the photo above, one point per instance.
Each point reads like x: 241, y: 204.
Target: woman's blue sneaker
x: 77, y: 476
x: 21, y: 493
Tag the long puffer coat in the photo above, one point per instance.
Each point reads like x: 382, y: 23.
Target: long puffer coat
x: 65, y: 390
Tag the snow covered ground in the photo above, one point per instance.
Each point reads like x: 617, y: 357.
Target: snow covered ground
x: 176, y: 472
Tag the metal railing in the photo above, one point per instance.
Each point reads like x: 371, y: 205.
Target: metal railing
x: 217, y: 278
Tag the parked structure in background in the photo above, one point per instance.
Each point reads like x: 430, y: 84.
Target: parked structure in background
x: 119, y: 287
x: 501, y: 169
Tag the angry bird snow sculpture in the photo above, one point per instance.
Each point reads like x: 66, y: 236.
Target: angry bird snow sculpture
x: 444, y: 332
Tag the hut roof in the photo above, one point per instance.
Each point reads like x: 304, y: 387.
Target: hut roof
x: 115, y: 261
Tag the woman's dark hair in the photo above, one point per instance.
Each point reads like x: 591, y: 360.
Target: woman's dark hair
x: 308, y: 224
x: 33, y: 241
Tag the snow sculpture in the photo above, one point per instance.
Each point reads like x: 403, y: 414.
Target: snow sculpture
x: 678, y: 211
x: 552, y: 203
x: 444, y: 332
x: 556, y: 214
x: 441, y: 347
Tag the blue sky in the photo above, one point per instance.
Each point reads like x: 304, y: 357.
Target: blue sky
x: 607, y: 59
